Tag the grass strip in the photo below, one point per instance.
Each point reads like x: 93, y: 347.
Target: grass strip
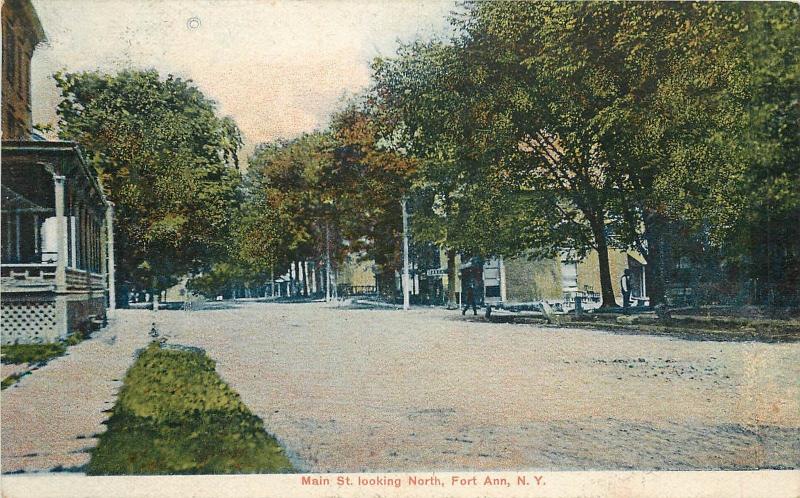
x: 31, y: 353
x: 12, y: 379
x: 175, y: 415
x: 39, y: 354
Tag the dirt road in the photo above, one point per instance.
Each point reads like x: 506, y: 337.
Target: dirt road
x: 380, y: 390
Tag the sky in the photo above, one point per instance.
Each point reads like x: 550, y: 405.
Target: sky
x: 278, y: 67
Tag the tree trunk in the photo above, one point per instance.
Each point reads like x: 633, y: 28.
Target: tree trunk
x: 606, y: 289
x: 305, y: 278
x: 290, y: 286
x: 451, y: 279
x: 312, y: 274
x: 320, y: 282
x: 656, y: 269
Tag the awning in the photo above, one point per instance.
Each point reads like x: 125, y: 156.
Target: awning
x: 637, y: 257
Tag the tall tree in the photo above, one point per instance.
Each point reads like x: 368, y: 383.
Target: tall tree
x: 166, y: 160
x: 367, y: 180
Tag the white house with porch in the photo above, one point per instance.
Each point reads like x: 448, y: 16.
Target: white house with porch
x: 57, y: 243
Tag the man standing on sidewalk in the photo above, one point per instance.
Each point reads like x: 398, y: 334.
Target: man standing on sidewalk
x: 625, y: 285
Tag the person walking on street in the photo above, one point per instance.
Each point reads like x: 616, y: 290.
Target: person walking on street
x: 470, y: 300
x: 625, y: 285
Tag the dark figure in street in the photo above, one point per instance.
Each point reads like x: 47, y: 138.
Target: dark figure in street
x: 470, y: 301
x: 625, y: 285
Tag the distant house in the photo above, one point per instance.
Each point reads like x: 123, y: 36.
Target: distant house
x: 562, y: 279
x: 510, y: 280
x: 56, y: 269
x: 555, y: 280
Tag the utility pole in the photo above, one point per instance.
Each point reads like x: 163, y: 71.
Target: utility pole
x: 327, y: 263
x: 406, y: 296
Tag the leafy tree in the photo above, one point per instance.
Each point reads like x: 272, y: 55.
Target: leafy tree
x: 502, y: 132
x: 412, y: 109
x: 336, y: 191
x: 287, y: 195
x: 165, y: 159
x: 596, y: 125
x: 765, y: 238
x: 367, y: 181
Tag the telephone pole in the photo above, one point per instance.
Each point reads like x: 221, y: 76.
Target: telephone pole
x: 406, y: 279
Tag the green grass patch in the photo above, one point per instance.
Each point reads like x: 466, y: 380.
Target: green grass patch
x: 31, y: 353
x: 175, y: 415
x: 12, y: 379
x: 39, y: 354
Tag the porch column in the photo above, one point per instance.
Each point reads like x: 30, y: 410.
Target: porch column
x: 36, y: 235
x: 17, y: 233
x: 61, y: 227
x: 112, y: 294
x: 73, y: 236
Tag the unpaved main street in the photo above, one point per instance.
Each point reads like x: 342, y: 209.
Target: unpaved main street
x: 380, y: 390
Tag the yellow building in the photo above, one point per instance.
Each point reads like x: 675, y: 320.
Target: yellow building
x: 562, y: 279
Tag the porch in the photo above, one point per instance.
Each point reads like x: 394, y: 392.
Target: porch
x: 56, y: 270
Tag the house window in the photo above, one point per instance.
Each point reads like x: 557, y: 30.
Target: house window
x: 25, y: 79
x: 9, y: 53
x: 569, y: 276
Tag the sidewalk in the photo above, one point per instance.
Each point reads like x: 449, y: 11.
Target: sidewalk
x: 50, y: 418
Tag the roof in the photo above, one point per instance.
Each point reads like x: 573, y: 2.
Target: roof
x: 55, y: 147
x: 24, y: 8
x: 636, y: 255
x: 15, y: 202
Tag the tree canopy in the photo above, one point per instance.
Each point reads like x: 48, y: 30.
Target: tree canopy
x: 597, y: 125
x: 537, y: 128
x: 165, y: 159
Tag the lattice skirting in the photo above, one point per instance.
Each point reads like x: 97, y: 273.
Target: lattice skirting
x: 28, y: 322
x: 33, y: 319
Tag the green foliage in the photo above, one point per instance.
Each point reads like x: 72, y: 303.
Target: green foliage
x: 668, y: 127
x: 31, y: 353
x: 167, y: 162
x: 367, y: 180
x: 12, y: 379
x: 174, y: 415
x: 287, y: 201
x: 341, y: 186
x: 592, y: 125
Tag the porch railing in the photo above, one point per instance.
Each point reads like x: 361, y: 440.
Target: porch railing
x: 83, y: 279
x: 27, y: 276
x: 38, y: 276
